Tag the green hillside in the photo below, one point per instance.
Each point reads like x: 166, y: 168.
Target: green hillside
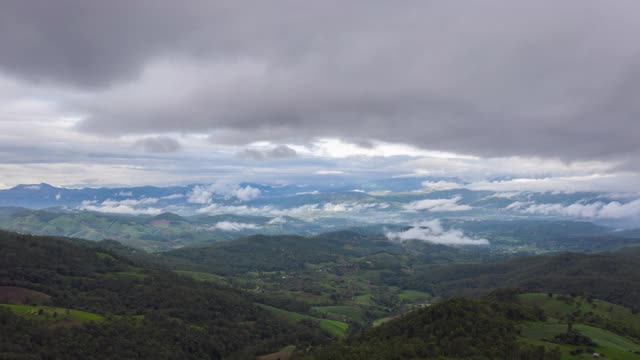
x: 335, y: 328
x: 503, y: 325
x: 151, y: 233
x: 93, y: 293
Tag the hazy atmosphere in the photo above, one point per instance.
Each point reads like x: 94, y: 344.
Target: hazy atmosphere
x: 140, y: 92
x: 332, y: 165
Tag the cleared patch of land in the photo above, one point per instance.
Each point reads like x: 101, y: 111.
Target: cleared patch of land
x: 559, y: 307
x: 341, y: 312
x: 413, y: 295
x: 597, y: 313
x: 52, y: 314
x: 609, y: 344
x: 284, y: 354
x: 333, y: 327
x: 201, y: 276
x: 19, y: 295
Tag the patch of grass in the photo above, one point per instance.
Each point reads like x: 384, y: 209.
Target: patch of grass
x: 335, y: 328
x: 608, y: 339
x: 414, y: 296
x: 53, y: 314
x: 612, y: 345
x: 341, y: 312
x: 559, y: 307
x: 125, y: 275
x: 383, y: 320
x: 364, y: 299
x: 289, y: 315
x: 202, y: 276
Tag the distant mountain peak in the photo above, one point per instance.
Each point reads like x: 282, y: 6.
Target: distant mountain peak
x: 33, y: 186
x: 169, y: 216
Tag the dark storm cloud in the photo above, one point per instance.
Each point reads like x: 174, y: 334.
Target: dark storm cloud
x: 158, y: 144
x: 278, y: 152
x: 88, y: 43
x: 543, y: 78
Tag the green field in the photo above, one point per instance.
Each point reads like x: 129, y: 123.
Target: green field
x: 50, y: 313
x: 612, y: 345
x: 334, y: 328
x: 414, y: 296
x: 201, y: 276
x: 383, y: 320
x: 341, y: 312
x: 559, y: 307
x: 125, y: 275
x: 363, y: 299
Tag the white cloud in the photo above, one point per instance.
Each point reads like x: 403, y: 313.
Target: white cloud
x: 339, y: 148
x: 618, y: 210
x: 441, y: 185
x: 476, y: 169
x: 380, y: 193
x: 611, y: 210
x: 626, y: 182
x: 129, y: 206
x: 315, y: 192
x: 308, y: 211
x: 246, y: 193
x: 202, y: 194
x: 172, y: 197
x: 437, y: 205
x: 233, y: 226
x: 329, y: 172
x: 433, y: 232
x: 199, y: 195
x: 58, y: 196
x: 277, y: 221
x: 344, y: 207
x: 233, y: 209
x: 505, y: 195
x: 131, y: 202
x: 124, y: 193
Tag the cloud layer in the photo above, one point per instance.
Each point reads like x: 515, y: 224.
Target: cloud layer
x: 498, y: 93
x: 234, y: 226
x: 128, y: 207
x: 433, y: 232
x: 440, y: 75
x: 203, y: 194
x: 594, y: 210
x: 438, y: 205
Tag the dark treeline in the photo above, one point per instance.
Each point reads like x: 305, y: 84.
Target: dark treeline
x: 614, y: 277
x: 193, y: 318
x: 455, y: 329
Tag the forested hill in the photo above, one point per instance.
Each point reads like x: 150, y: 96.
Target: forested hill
x: 455, y: 329
x: 614, y: 277
x: 291, y: 253
x: 78, y: 300
x: 504, y: 324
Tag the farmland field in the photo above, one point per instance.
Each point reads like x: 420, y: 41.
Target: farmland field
x: 53, y: 314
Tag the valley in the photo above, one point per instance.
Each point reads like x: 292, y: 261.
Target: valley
x: 316, y: 291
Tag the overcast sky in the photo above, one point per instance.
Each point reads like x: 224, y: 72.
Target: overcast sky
x: 167, y: 92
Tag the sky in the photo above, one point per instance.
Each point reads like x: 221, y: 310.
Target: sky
x: 507, y: 95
